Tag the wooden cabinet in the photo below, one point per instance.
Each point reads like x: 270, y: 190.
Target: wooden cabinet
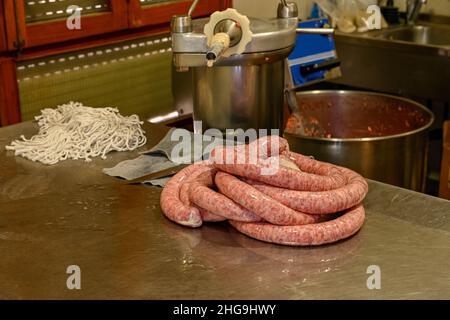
x: 33, y: 23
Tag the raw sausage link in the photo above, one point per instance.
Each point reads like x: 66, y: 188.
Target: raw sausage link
x: 172, y: 206
x: 307, y: 235
x: 257, y: 202
x: 184, y: 194
x: 324, y: 202
x: 206, y: 216
x: 185, y: 184
x: 219, y: 204
x: 215, y: 203
x: 209, y: 217
x: 264, y: 146
x: 317, y: 178
x: 214, y: 207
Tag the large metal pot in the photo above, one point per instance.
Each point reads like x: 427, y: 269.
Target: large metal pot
x: 383, y: 137
x: 241, y: 93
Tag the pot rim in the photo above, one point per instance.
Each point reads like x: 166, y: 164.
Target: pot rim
x: 367, y: 139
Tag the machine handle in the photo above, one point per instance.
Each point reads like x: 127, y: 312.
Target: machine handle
x: 327, y: 65
x: 325, y: 31
x: 192, y: 8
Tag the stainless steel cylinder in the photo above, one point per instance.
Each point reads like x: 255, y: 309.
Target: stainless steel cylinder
x: 181, y: 24
x: 383, y: 137
x: 244, y: 93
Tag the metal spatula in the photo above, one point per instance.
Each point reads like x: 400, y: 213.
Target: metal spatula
x: 157, y: 175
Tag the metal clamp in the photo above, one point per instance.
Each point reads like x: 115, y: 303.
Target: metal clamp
x: 287, y: 10
x: 183, y: 23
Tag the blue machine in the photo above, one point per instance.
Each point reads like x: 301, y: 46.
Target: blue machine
x: 314, y: 56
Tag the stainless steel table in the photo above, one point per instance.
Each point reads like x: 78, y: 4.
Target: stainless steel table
x: 73, y: 214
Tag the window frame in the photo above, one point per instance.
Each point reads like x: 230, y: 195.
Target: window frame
x: 55, y: 31
x: 162, y: 12
x: 2, y: 30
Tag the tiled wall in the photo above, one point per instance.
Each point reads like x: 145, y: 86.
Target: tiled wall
x: 134, y: 76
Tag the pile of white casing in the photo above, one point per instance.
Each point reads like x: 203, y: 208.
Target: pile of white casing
x: 74, y: 131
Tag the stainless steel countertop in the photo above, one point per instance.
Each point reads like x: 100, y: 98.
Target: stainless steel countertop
x: 73, y: 214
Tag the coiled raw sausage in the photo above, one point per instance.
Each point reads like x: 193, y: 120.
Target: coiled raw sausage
x: 307, y: 235
x: 269, y: 193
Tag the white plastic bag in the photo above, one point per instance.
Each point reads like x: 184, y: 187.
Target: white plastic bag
x: 349, y: 15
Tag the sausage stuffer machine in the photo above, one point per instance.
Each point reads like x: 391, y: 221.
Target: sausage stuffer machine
x: 230, y: 69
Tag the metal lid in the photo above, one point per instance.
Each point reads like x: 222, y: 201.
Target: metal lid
x: 268, y: 35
